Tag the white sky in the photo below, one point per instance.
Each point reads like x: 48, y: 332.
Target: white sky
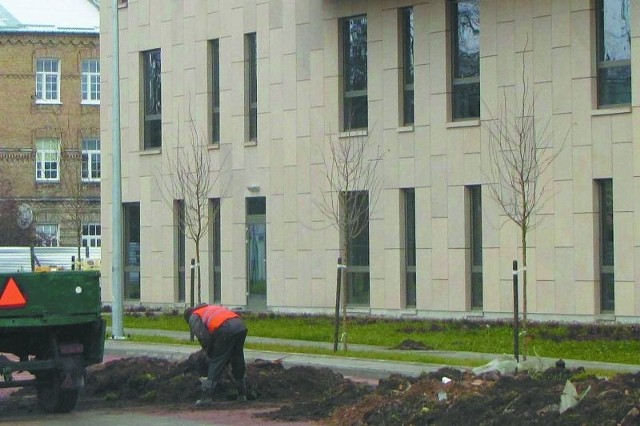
x: 59, y: 13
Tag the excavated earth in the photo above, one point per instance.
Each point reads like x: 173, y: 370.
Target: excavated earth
x: 446, y: 397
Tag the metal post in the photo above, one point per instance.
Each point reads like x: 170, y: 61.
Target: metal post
x: 516, y: 348
x: 116, y: 182
x: 193, y: 265
x: 337, y: 314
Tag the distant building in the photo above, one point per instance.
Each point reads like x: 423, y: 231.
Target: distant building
x: 49, y: 108
x: 268, y: 84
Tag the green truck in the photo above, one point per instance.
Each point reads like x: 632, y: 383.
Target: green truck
x: 50, y: 326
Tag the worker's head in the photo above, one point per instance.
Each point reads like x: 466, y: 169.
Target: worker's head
x: 187, y: 313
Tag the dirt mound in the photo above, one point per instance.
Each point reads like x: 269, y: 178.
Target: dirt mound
x: 445, y: 397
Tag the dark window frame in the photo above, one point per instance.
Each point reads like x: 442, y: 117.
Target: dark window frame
x: 606, y: 239
x: 474, y: 193
x: 409, y: 196
x: 215, y: 90
x: 609, y: 93
x: 251, y: 86
x: 354, y: 68
x: 407, y: 65
x: 152, y: 101
x: 465, y: 88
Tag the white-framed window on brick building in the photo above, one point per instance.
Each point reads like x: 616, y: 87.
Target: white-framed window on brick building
x: 47, y: 80
x: 47, y: 235
x: 91, y: 160
x: 48, y: 160
x: 91, y: 235
x: 90, y: 81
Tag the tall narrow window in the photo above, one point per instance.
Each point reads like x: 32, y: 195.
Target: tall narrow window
x: 47, y: 235
x: 474, y: 194
x: 131, y: 249
x: 465, y: 57
x: 407, y: 64
x: 90, y: 81
x: 215, y: 91
x: 356, y: 226
x: 152, y: 99
x: 354, y: 72
x: 91, y: 235
x: 179, y: 245
x: 607, y: 293
x: 614, y: 52
x: 251, y: 86
x: 47, y: 81
x: 216, y: 249
x: 91, y: 160
x: 410, y: 246
x: 48, y: 160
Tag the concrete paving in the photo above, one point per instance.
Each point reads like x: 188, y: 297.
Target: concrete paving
x: 346, y: 365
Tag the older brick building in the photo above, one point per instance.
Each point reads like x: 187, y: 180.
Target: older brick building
x: 50, y: 104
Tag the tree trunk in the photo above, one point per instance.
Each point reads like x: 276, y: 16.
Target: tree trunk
x: 345, y: 292
x: 198, y: 280
x: 524, y: 291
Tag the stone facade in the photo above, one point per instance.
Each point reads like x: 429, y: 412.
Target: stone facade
x: 300, y: 102
x: 26, y: 120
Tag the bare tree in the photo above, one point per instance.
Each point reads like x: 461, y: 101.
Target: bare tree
x: 80, y: 197
x: 520, y: 151
x: 353, y: 190
x: 190, y: 177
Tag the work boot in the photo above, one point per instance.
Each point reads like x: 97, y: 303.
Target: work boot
x: 242, y: 389
x: 206, y: 397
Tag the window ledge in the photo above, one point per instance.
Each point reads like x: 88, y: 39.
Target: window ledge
x: 463, y: 123
x: 213, y: 145
x: 612, y: 111
x: 353, y: 133
x: 48, y: 103
x: 90, y: 103
x: 151, y: 151
x: 251, y: 143
x: 405, y: 129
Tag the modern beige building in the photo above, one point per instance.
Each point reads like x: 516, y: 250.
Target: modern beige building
x: 270, y: 85
x: 50, y: 122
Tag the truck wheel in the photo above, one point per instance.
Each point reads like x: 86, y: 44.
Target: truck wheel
x: 52, y: 398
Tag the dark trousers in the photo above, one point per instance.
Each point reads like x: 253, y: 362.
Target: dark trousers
x: 228, y: 347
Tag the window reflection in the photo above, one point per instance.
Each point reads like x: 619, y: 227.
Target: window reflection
x: 152, y: 99
x: 354, y: 35
x: 408, y: 64
x: 466, y: 58
x: 614, y: 53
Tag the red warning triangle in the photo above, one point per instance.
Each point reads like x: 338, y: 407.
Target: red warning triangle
x: 11, y: 296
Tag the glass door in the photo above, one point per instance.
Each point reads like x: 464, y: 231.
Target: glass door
x: 256, y: 249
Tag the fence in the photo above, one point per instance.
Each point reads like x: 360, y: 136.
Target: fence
x: 16, y: 259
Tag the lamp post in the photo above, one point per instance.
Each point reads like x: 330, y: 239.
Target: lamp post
x: 116, y: 228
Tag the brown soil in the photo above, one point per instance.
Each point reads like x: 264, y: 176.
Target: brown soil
x: 307, y: 393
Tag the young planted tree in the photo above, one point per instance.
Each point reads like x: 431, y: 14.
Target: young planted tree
x: 190, y: 177
x: 80, y: 198
x: 521, y: 150
x: 353, y: 190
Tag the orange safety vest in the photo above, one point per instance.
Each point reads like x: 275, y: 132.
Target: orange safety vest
x: 213, y: 316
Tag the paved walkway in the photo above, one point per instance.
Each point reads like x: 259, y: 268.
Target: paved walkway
x: 348, y: 366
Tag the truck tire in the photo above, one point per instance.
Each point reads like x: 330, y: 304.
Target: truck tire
x: 52, y: 397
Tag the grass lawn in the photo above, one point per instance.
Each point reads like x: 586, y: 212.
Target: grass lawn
x: 610, y: 343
